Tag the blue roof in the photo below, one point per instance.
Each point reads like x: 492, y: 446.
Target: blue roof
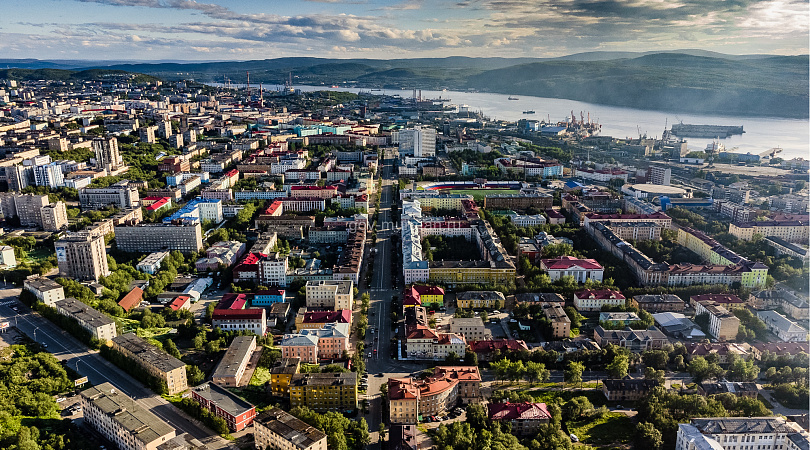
x: 573, y: 184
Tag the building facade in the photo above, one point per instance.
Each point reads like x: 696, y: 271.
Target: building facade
x: 323, y: 392
x: 99, y: 325
x: 158, y: 363
x: 82, y: 256
x: 276, y: 429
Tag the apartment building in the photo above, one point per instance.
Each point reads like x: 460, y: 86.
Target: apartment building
x: 121, y: 195
x: 658, y: 303
x: 318, y: 319
x: 560, y: 322
x: 231, y: 368
x: 425, y: 343
x: 107, y: 155
x: 44, y: 289
x: 276, y: 429
x: 627, y: 389
x: 480, y: 299
x: 99, y: 325
x: 281, y: 375
x: 29, y: 209
x: 82, y: 256
x: 250, y: 319
x: 410, y: 398
x: 331, y: 235
x: 238, y: 413
x: 633, y: 340
x: 121, y: 420
x: 158, y: 363
x: 518, y: 202
x: 595, y: 299
x: 525, y: 418
x: 323, y: 392
x: 784, y: 328
x: 793, y: 231
x: 151, y: 264
x: 332, y: 294
x: 723, y: 325
x: 54, y: 217
x: 472, y: 329
x: 303, y: 346
x: 741, y: 433
x: 487, y: 350
x: 154, y: 237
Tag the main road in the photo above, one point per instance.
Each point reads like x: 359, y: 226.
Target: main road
x: 98, y: 370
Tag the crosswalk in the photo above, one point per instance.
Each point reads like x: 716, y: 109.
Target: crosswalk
x: 8, y: 303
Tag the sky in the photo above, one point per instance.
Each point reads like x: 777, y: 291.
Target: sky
x: 208, y: 30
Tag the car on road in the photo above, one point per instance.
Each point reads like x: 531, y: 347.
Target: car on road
x: 574, y: 438
x: 15, y: 308
x: 44, y: 345
x: 60, y: 399
x: 379, y: 375
x: 369, y: 354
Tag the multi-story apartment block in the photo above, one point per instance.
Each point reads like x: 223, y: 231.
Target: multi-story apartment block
x: 44, y: 289
x: 723, y: 325
x: 82, y: 256
x: 120, y: 195
x: 221, y: 254
x: 147, y: 134
x: 332, y: 294
x: 659, y: 175
x: 741, y: 433
x: 560, y: 322
x: 422, y: 342
x: 49, y: 175
x: 303, y: 345
x: 525, y: 418
x: 54, y: 217
x: 627, y: 390
x: 792, y: 305
x: 272, y: 270
x: 480, y: 299
x: 238, y: 413
x: 250, y: 319
x: 410, y: 398
x: 332, y: 235
x: 153, y: 237
x: 418, y: 141
x: 281, y: 374
x: 794, y: 231
x: 581, y: 269
x: 156, y: 362
x: 99, y: 325
x: 313, y: 320
x: 658, y: 218
x: 276, y: 429
x: 29, y: 209
x: 784, y: 328
x: 121, y: 420
x: 595, y: 299
x: 323, y: 392
x: 231, y: 368
x: 107, y: 155
x: 633, y: 340
x: 518, y: 202
x: 658, y: 303
x: 472, y: 329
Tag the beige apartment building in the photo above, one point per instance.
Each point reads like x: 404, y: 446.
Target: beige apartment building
x: 332, y: 294
x: 472, y: 329
x: 410, y: 398
x: 276, y: 429
x: 560, y: 323
x: 231, y: 369
x: 323, y: 392
x: 154, y: 237
x: 82, y: 256
x: 98, y: 324
x: 54, y: 217
x: 29, y: 209
x: 158, y: 363
x: 723, y: 325
x: 44, y: 289
x: 123, y: 421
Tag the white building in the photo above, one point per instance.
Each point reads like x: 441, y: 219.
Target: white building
x: 784, y: 328
x: 741, y: 433
x: 273, y: 270
x: 98, y: 324
x: 44, y: 289
x: 332, y: 294
x: 522, y: 220
x: 581, y: 269
x: 7, y: 258
x: 151, y: 264
x: 420, y: 142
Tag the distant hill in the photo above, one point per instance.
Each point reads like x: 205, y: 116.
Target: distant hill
x: 690, y: 81
x: 69, y: 75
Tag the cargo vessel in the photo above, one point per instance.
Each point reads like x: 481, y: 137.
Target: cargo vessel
x: 705, y: 131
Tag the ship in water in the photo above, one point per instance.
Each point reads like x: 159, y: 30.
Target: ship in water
x: 528, y: 112
x: 705, y: 131
x: 513, y: 98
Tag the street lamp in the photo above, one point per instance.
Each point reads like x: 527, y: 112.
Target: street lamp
x: 35, y: 333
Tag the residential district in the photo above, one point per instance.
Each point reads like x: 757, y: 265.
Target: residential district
x: 193, y: 267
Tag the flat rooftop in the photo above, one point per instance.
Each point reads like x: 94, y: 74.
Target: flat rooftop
x: 238, y: 352
x: 137, y: 346
x: 140, y: 423
x: 84, y: 313
x: 223, y: 399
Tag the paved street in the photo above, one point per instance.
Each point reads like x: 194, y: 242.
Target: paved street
x: 66, y: 348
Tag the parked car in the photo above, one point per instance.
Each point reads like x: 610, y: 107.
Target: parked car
x: 574, y: 438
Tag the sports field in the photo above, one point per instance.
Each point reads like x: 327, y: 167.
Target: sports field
x: 479, y: 194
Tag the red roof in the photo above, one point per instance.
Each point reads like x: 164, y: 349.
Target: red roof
x: 232, y: 301
x: 158, y: 204
x: 273, y: 207
x: 566, y: 262
x: 554, y: 214
x: 313, y: 188
x: 179, y: 302
x: 422, y: 332
x: 518, y: 411
x: 250, y: 313
x: 252, y: 258
x: 231, y: 173
x: 132, y: 299
x: 429, y: 290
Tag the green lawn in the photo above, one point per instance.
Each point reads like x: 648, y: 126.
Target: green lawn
x: 611, y: 430
x: 39, y: 254
x: 260, y: 376
x: 479, y: 194
x: 596, y: 397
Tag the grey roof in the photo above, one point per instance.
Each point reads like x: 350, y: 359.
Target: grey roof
x: 184, y: 441
x: 630, y: 384
x: 233, y: 358
x: 800, y: 440
x: 223, y: 398
x: 650, y: 298
x: 776, y: 320
x: 480, y: 295
x: 299, y: 339
x: 728, y: 386
x: 83, y: 312
x: 140, y: 423
x: 294, y: 430
x: 148, y: 352
x: 42, y: 284
x: 742, y: 425
x: 539, y: 297
x: 286, y: 365
x: 324, y: 379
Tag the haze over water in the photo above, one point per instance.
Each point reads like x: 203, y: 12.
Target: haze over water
x: 761, y: 133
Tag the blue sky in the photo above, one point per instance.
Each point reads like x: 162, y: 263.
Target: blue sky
x: 260, y: 29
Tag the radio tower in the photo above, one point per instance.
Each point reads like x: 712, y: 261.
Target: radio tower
x: 248, y: 83
x: 261, y: 96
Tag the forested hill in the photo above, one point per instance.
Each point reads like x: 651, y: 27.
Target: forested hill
x: 691, y: 82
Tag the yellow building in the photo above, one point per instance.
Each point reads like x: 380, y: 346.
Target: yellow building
x: 480, y: 299
x: 324, y: 391
x: 794, y: 231
x: 471, y: 272
x: 754, y: 274
x: 281, y: 375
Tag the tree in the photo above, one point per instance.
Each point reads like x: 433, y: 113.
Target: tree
x: 619, y: 367
x: 648, y: 437
x: 382, y: 432
x: 573, y: 372
x: 470, y: 358
x: 536, y: 371
x: 742, y: 370
x: 516, y: 370
x: 652, y: 374
x: 574, y: 315
x: 476, y: 415
x: 657, y: 359
x: 576, y: 407
x: 194, y: 375
x: 501, y: 368
x: 171, y: 348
